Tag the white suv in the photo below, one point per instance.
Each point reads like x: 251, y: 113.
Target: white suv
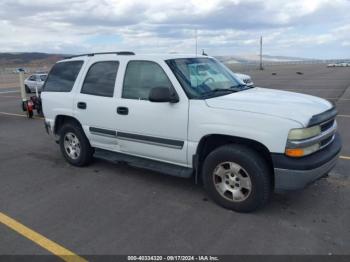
x: 189, y: 116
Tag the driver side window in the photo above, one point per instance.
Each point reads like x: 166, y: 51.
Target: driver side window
x: 140, y: 77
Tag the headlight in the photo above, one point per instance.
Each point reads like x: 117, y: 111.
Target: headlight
x: 296, y: 147
x: 304, y: 133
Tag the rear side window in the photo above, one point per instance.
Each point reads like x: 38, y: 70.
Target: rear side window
x: 62, y: 76
x: 100, y: 79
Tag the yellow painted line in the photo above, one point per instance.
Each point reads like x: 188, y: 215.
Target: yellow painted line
x: 40, y: 240
x: 345, y: 157
x: 13, y: 114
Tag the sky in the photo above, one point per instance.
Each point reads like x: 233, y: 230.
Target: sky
x: 299, y: 28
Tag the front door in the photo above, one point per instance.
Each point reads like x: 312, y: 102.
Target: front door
x: 149, y: 129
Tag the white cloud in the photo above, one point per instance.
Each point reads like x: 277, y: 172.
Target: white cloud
x: 224, y: 26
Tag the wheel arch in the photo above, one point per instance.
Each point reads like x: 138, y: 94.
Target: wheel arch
x: 60, y: 120
x: 210, y: 142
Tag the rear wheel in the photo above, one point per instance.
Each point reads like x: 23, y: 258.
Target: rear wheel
x: 238, y: 178
x: 74, y: 145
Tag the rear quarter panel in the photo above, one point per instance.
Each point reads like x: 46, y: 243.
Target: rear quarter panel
x: 60, y: 103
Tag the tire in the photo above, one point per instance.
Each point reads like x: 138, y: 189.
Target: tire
x: 237, y: 178
x: 27, y: 89
x: 74, y: 145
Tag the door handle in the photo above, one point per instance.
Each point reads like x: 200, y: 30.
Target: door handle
x: 81, y: 105
x: 121, y: 110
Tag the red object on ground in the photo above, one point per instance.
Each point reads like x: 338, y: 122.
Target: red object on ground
x: 30, y: 105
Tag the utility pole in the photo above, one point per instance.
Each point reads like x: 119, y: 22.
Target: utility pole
x: 261, y: 50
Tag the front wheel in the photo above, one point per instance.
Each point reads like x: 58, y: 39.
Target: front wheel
x: 74, y: 145
x: 238, y: 178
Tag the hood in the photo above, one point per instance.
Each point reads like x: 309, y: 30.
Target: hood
x: 283, y: 104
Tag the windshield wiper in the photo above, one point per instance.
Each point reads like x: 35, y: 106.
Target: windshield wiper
x: 218, y: 90
x: 240, y: 86
x: 231, y: 89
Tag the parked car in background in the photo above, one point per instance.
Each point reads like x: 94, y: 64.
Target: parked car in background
x: 343, y: 64
x: 247, y: 80
x: 332, y: 65
x: 33, y: 81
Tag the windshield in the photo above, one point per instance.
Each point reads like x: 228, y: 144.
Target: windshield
x: 204, y: 77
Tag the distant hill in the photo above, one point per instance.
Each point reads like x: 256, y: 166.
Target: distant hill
x: 29, y: 59
x: 254, y: 58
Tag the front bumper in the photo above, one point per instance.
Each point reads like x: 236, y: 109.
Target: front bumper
x: 296, y: 173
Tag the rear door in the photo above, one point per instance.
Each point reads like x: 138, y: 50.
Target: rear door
x: 95, y: 103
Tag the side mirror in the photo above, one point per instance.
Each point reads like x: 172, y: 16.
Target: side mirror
x: 163, y: 94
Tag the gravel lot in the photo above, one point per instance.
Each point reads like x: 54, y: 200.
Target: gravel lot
x: 115, y: 209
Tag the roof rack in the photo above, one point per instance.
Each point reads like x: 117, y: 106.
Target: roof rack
x: 103, y: 53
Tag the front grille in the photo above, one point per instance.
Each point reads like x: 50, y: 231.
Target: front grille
x: 327, y: 125
x: 326, y: 141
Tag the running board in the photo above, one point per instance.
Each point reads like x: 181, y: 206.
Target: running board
x: 139, y: 162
